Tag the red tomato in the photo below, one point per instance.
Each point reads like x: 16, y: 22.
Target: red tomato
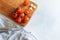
x: 18, y: 20
x: 14, y: 15
x: 26, y: 19
x: 18, y: 10
x: 27, y: 12
x: 22, y: 15
x: 26, y: 3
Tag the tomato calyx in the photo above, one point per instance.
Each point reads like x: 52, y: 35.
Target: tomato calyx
x: 18, y: 20
x: 26, y: 19
x: 18, y: 10
x: 27, y: 12
x: 14, y: 15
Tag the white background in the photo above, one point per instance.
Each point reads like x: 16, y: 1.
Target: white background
x: 45, y: 23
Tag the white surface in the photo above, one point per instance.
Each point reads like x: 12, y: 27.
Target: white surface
x: 45, y: 23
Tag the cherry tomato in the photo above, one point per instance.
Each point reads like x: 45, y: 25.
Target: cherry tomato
x: 18, y: 10
x: 22, y: 15
x: 26, y: 19
x: 26, y: 3
x: 14, y: 15
x: 27, y: 12
x: 18, y: 20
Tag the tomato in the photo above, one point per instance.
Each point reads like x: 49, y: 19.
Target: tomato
x: 27, y: 12
x: 26, y: 19
x: 14, y: 15
x: 18, y: 10
x: 26, y: 3
x: 22, y: 15
x: 18, y: 20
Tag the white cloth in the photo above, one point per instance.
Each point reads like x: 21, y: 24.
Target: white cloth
x: 15, y: 33
x: 10, y: 35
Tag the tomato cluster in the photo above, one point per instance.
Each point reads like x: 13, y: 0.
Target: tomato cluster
x: 19, y: 16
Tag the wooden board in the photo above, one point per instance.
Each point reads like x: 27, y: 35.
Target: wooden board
x: 8, y: 6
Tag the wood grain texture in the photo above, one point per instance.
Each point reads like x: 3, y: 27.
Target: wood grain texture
x: 8, y: 6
